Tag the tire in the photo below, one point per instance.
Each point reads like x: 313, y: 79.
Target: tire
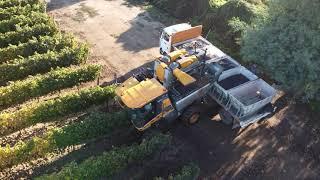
x: 190, y: 116
x: 226, y: 117
x: 161, y: 51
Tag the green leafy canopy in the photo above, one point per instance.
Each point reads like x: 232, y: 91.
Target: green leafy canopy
x: 287, y: 46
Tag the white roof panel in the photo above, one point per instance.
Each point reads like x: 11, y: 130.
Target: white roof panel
x: 177, y: 28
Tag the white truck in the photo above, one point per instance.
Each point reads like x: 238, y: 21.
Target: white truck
x: 245, y: 98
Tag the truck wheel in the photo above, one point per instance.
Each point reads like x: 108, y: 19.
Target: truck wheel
x: 190, y: 116
x: 161, y: 51
x: 226, y: 117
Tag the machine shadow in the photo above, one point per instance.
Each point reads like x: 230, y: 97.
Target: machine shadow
x: 119, y: 79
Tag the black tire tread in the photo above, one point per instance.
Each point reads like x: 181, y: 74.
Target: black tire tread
x: 186, y: 115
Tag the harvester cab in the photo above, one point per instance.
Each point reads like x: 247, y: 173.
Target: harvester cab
x: 147, y: 101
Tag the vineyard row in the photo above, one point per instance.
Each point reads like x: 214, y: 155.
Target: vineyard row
x: 94, y: 125
x: 21, y: 91
x: 54, y: 108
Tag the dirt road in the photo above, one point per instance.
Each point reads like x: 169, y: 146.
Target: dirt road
x: 124, y: 37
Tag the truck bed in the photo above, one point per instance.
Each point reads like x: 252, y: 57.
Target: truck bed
x: 237, y: 89
x: 233, y: 81
x: 227, y: 64
x: 199, y: 45
x: 253, y: 92
x: 241, y: 92
x: 193, y: 46
x: 180, y: 91
x: 244, y: 99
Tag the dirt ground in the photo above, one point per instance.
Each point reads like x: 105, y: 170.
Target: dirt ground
x: 123, y: 37
x: 281, y: 147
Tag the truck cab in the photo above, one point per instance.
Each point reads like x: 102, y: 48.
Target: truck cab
x: 168, y: 34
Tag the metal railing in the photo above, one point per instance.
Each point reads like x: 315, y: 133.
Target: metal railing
x: 229, y: 102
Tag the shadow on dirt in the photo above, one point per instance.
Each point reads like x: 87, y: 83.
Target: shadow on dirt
x: 134, y: 39
x: 133, y: 3
x: 152, y: 20
x: 156, y: 13
x: 57, y: 4
x: 280, y: 147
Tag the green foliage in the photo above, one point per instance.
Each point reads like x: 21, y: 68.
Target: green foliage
x: 96, y: 124
x: 236, y: 28
x: 188, y: 172
x: 237, y: 25
x: 40, y: 85
x: 54, y: 108
x: 23, y: 34
x: 37, y: 45
x: 182, y: 8
x: 287, y: 46
x: 162, y: 4
x: 315, y: 106
x: 239, y: 9
x: 236, y: 8
x: 227, y: 21
x: 16, y: 22
x: 7, y: 13
x: 10, y: 3
x: 111, y: 162
x: 41, y: 63
x: 216, y: 3
x: 90, y: 127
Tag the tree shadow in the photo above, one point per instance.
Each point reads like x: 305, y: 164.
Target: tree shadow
x: 57, y: 4
x: 133, y: 3
x: 282, y: 150
x: 283, y: 146
x: 144, y: 33
x: 146, y: 27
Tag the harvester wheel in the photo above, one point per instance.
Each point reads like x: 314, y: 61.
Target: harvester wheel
x: 190, y: 116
